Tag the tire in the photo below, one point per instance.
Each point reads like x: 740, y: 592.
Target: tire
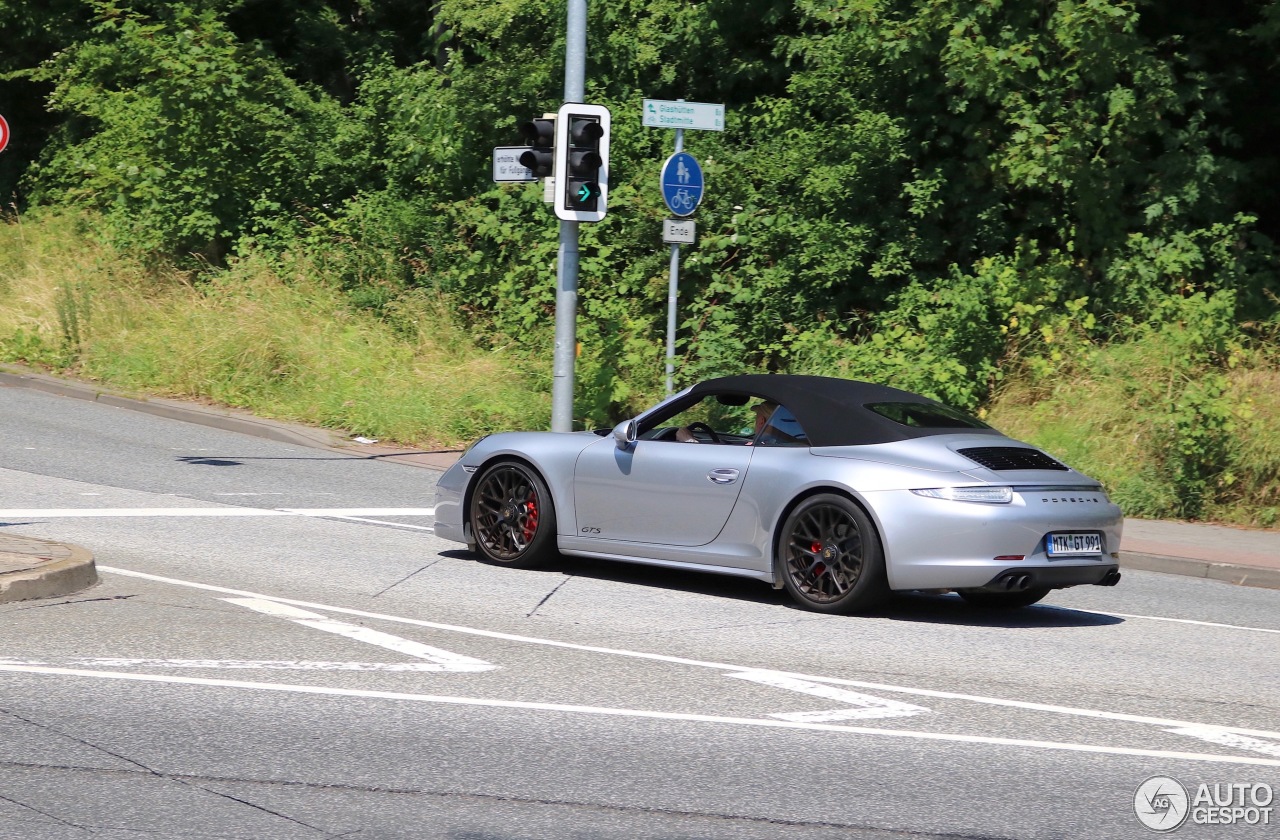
x: 1004, y: 600
x: 512, y: 517
x: 830, y: 556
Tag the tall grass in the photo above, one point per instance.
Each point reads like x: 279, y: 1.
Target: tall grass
x: 281, y: 342
x: 1112, y: 413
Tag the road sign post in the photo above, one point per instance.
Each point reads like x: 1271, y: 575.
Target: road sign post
x: 682, y: 189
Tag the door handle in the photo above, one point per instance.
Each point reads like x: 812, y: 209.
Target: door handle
x: 723, y: 476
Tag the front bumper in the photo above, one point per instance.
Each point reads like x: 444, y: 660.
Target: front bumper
x: 450, y: 517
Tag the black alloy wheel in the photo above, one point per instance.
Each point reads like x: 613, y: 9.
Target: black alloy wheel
x: 831, y: 558
x: 513, y: 520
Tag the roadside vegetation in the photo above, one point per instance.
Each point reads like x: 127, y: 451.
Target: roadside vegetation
x: 1059, y: 215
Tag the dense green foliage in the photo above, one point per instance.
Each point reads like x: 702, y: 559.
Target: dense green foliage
x: 940, y: 194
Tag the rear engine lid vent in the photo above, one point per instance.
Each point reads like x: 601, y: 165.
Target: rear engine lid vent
x: 1002, y: 458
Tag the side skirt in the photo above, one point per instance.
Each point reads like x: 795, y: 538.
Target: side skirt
x: 672, y: 564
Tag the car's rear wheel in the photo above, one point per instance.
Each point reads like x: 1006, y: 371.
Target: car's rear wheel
x: 513, y: 520
x: 1005, y: 600
x: 830, y: 556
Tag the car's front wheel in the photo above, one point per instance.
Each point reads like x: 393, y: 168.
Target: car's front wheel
x: 512, y: 518
x: 830, y: 556
x: 1004, y: 600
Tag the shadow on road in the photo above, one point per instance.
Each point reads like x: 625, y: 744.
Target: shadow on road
x: 950, y: 609
x: 917, y: 607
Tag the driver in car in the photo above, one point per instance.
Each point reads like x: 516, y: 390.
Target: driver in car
x: 763, y: 410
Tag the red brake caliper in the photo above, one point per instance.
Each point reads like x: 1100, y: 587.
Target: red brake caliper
x: 820, y: 569
x: 530, y: 518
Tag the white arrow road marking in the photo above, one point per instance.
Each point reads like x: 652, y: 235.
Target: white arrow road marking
x: 759, y: 723
x: 865, y: 706
x: 718, y: 666
x: 233, y: 664
x: 443, y: 660
x: 1229, y: 739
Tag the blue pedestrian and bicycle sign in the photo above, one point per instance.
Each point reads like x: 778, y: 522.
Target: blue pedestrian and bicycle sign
x: 682, y: 184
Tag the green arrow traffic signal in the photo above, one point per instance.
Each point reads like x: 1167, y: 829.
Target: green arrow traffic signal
x: 582, y: 162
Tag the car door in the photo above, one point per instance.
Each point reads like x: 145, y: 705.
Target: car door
x: 657, y: 491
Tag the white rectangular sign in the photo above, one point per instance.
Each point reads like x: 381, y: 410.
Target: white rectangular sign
x: 703, y: 116
x: 506, y: 164
x: 678, y: 231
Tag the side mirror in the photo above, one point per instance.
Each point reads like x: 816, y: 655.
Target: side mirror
x: 624, y: 434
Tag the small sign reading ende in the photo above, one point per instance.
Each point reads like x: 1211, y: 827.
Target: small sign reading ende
x: 678, y: 231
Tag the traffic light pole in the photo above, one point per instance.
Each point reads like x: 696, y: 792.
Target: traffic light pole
x: 575, y: 63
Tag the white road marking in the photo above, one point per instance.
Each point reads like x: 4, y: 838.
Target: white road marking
x: 763, y: 723
x: 719, y: 666
x: 81, y: 513
x: 107, y: 513
x: 1191, y: 621
x: 443, y: 660
x: 1230, y: 739
x: 235, y: 664
x: 250, y: 494
x: 431, y: 528
x: 865, y: 706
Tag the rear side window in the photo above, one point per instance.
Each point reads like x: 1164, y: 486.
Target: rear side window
x: 926, y: 416
x: 783, y: 429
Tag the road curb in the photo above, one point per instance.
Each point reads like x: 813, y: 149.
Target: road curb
x: 230, y: 420
x: 51, y: 575
x: 218, y: 418
x: 1189, y: 567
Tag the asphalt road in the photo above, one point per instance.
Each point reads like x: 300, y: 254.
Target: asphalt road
x: 337, y: 671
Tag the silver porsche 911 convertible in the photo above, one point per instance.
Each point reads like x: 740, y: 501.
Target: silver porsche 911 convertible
x: 839, y: 491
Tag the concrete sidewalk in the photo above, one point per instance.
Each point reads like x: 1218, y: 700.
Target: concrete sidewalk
x: 1235, y: 555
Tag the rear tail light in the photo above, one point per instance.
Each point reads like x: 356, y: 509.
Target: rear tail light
x: 985, y: 495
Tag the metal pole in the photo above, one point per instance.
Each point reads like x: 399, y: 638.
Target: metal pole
x: 672, y: 287
x: 575, y: 68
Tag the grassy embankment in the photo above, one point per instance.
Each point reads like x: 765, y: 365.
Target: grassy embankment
x: 289, y: 345
x: 284, y: 346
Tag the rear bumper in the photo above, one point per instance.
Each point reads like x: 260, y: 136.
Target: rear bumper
x: 942, y: 544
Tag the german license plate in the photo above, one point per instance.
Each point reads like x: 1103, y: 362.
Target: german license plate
x: 1073, y: 545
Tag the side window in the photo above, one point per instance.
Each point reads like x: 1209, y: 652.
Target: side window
x: 781, y: 429
x: 707, y: 421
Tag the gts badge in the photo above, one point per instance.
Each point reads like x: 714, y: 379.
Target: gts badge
x: 587, y: 529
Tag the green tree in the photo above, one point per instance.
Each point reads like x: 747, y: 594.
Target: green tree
x: 184, y: 137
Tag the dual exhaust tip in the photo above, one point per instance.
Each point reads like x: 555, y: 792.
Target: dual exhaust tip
x: 1014, y: 582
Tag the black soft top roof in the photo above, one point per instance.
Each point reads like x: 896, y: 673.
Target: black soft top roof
x: 833, y: 412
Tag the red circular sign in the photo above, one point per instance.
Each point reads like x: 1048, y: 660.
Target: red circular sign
x: 4, y: 134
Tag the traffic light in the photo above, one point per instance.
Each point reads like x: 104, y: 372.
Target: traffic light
x: 582, y: 162
x: 540, y: 134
